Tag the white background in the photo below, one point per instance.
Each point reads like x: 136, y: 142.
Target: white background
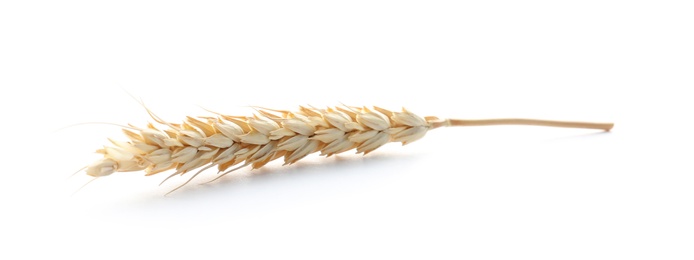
x: 507, y: 192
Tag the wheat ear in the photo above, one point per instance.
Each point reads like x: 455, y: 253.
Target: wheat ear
x: 225, y: 141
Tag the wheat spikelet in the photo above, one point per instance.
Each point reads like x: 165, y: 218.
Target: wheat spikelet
x: 233, y: 142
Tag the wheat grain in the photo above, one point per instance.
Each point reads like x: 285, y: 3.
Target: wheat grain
x: 226, y: 141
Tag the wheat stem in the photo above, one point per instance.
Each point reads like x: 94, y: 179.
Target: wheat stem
x: 520, y: 121
x: 234, y: 142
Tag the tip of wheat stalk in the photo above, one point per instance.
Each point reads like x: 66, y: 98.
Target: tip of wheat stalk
x: 232, y: 142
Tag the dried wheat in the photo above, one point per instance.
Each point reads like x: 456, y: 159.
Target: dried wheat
x: 226, y: 141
